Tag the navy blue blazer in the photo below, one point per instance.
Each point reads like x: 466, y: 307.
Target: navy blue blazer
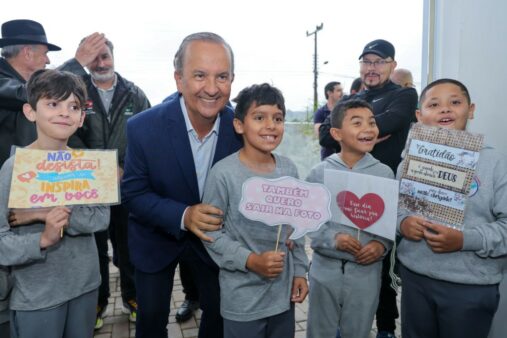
x: 160, y: 181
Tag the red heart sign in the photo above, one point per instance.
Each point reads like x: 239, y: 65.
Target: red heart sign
x: 362, y: 212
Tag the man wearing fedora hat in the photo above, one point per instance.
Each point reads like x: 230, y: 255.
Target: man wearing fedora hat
x: 24, y: 50
x: 394, y: 109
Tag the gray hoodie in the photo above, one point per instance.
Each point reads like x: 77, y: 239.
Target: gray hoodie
x: 245, y: 295
x: 323, y: 240
x: 50, y: 277
x: 483, y: 255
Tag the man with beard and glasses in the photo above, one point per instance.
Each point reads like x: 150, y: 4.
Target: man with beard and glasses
x: 394, y: 109
x: 112, y: 100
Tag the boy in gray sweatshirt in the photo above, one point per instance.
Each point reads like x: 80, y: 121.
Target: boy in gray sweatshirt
x: 257, y: 283
x: 345, y: 272
x: 450, y: 277
x: 55, y: 278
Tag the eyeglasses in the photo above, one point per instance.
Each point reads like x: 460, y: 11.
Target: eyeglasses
x: 375, y: 64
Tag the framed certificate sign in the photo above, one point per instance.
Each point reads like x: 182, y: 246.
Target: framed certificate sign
x: 437, y: 172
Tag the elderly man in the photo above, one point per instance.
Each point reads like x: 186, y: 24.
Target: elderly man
x: 24, y: 50
x: 394, y: 109
x: 171, y: 148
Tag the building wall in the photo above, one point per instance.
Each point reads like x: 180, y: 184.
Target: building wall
x: 470, y: 45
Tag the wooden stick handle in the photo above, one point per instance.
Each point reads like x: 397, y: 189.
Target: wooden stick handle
x: 278, y: 237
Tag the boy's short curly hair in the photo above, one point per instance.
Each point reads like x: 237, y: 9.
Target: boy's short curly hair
x: 258, y: 94
x: 55, y: 84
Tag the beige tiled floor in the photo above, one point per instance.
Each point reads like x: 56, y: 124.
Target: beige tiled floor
x: 116, y: 324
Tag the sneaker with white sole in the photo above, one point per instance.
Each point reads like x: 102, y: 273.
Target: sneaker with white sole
x: 99, y: 321
x: 130, y: 308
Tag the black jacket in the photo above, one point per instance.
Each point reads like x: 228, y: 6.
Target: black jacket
x: 15, y: 129
x: 394, y: 109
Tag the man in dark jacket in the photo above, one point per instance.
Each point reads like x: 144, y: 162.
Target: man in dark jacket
x: 24, y: 50
x: 394, y: 109
x: 112, y: 100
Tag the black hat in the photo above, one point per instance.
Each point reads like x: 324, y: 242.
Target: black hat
x: 24, y: 32
x: 380, y: 47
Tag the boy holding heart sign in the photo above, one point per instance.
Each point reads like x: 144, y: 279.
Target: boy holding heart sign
x: 345, y: 271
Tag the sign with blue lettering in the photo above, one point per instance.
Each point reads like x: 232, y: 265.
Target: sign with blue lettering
x: 44, y: 178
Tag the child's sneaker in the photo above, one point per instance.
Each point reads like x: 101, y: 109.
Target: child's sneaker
x: 130, y: 308
x: 99, y: 321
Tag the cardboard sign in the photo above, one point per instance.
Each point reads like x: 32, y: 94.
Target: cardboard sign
x: 438, y: 171
x: 364, y: 202
x: 44, y: 178
x: 286, y: 200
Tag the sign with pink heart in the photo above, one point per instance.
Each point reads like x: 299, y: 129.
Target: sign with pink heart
x: 364, y: 202
x: 286, y: 200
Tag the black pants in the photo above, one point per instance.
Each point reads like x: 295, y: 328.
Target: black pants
x: 154, y: 294
x: 188, y: 283
x: 387, y: 310
x: 118, y: 232
x: 118, y: 227
x: 439, y: 309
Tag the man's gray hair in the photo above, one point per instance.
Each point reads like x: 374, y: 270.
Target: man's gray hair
x: 11, y: 51
x: 179, y: 57
x: 108, y: 43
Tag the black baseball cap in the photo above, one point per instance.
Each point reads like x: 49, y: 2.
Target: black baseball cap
x: 379, y: 47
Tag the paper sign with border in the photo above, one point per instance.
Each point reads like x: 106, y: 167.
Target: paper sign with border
x: 437, y: 172
x: 44, y: 178
x: 286, y: 200
x: 365, y: 202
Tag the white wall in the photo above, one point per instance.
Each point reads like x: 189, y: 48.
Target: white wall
x: 470, y: 45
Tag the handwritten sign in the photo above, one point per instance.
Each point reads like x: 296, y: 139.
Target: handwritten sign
x: 364, y: 202
x: 44, y: 178
x: 438, y: 171
x: 364, y: 211
x: 286, y: 200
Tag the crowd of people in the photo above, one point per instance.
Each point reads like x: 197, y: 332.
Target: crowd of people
x: 181, y: 166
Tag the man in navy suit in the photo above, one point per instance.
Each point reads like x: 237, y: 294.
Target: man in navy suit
x: 170, y: 149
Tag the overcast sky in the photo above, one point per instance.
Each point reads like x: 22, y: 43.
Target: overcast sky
x: 268, y: 37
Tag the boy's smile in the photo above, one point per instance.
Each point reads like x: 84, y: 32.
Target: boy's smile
x: 445, y: 106
x: 56, y: 120
x: 262, y: 128
x: 359, y: 131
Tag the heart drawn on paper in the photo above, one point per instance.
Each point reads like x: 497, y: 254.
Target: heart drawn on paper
x: 362, y: 212
x: 27, y: 176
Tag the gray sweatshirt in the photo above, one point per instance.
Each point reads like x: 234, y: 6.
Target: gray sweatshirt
x: 47, y: 278
x: 482, y: 257
x: 245, y: 295
x: 324, y: 240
